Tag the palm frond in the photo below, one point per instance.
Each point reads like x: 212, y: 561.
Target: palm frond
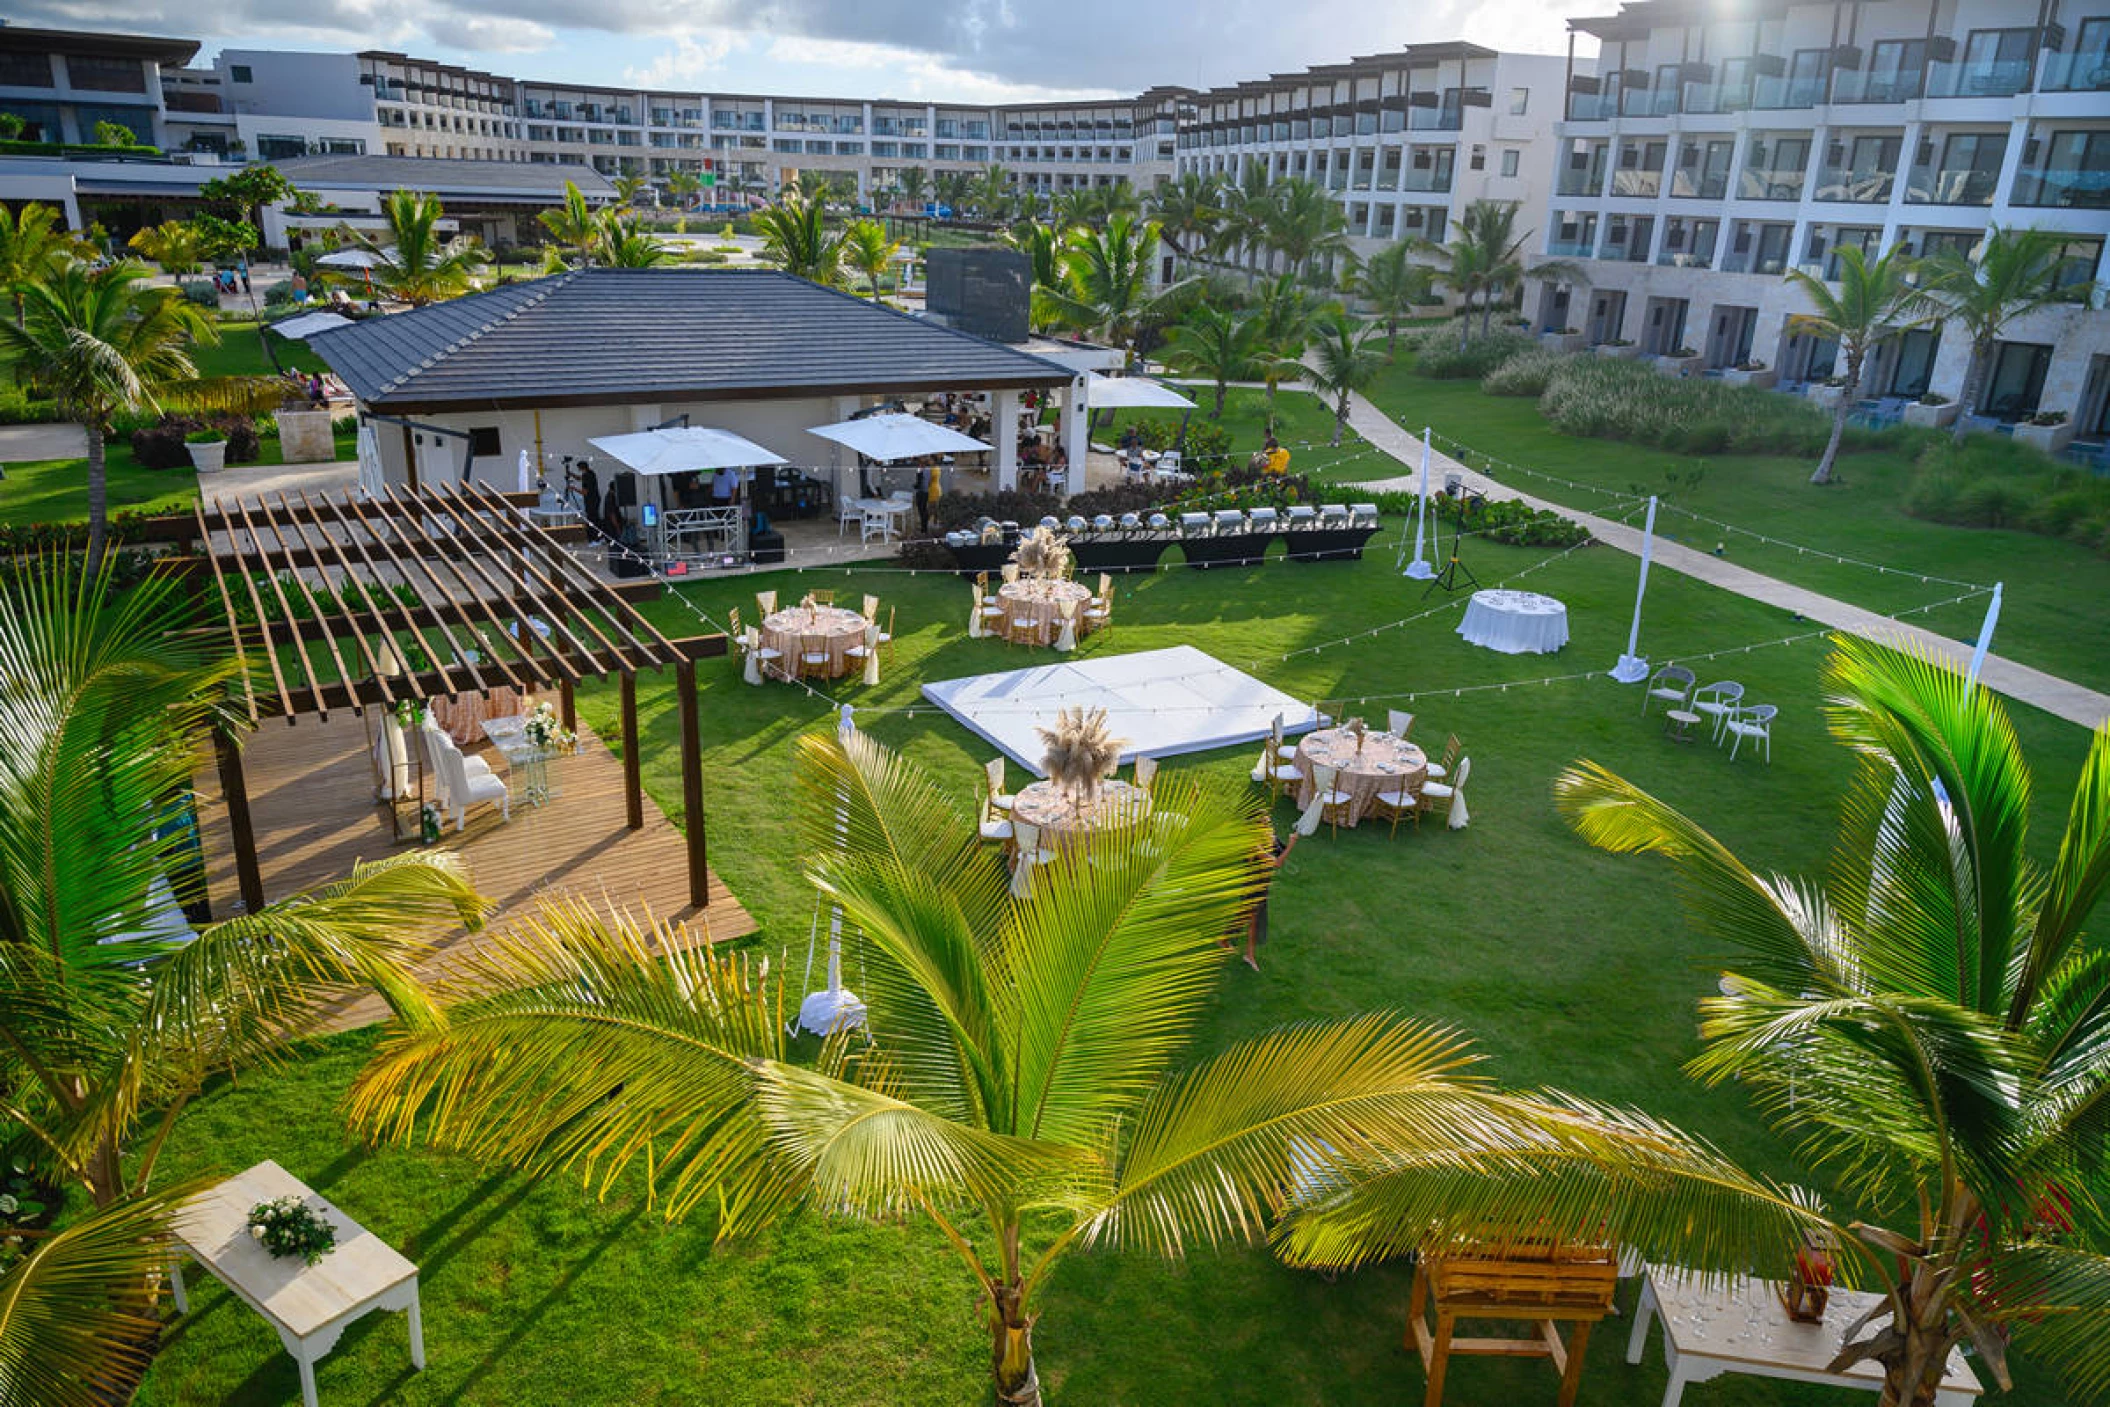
x: 2080, y: 875
x: 2056, y: 1301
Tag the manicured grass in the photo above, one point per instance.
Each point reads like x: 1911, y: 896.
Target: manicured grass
x: 240, y: 353
x: 56, y: 490
x: 1573, y: 968
x: 1303, y: 422
x: 2052, y: 617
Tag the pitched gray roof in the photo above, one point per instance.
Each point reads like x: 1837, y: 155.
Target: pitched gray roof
x: 615, y: 336
x: 443, y: 175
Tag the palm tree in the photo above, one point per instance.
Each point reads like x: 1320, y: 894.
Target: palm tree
x: 1116, y: 199
x: 992, y: 193
x: 1020, y: 1070
x: 1343, y: 363
x: 1249, y: 209
x: 867, y: 249
x: 2011, y: 274
x: 1305, y: 224
x: 629, y: 186
x: 1074, y: 209
x: 1223, y: 346
x: 1926, y: 1017
x: 572, y: 225
x: 1106, y: 283
x: 1485, y: 261
x: 418, y: 265
x: 684, y: 186
x: 32, y: 244
x: 1391, y: 285
x: 795, y: 237
x: 102, y: 343
x: 107, y: 695
x: 1043, y: 246
x: 1189, y: 212
x: 1876, y: 301
x: 914, y: 184
x: 1288, y: 312
x: 173, y: 244
x: 954, y: 190
x: 621, y: 241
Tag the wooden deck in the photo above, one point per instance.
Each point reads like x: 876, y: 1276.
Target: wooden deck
x: 311, y: 796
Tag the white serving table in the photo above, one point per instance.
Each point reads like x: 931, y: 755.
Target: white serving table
x: 309, y: 1305
x: 525, y: 763
x: 1742, y: 1327
x: 1515, y: 622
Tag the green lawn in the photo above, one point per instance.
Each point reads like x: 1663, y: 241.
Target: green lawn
x: 239, y: 352
x: 2052, y: 618
x: 55, y: 490
x: 1573, y: 968
x: 1303, y: 422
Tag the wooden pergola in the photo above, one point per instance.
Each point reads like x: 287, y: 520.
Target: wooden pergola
x: 355, y: 602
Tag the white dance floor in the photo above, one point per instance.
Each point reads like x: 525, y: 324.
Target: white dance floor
x: 1161, y: 701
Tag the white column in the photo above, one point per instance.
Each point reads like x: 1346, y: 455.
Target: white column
x: 1003, y: 428
x: 1076, y: 440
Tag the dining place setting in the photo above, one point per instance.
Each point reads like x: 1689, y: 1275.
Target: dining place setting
x: 816, y: 639
x: 1346, y: 773
x: 1037, y: 601
x: 1080, y: 797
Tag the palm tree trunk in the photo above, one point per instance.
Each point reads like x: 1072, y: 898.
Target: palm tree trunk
x: 98, y: 496
x: 1011, y: 1350
x: 1973, y: 381
x: 1851, y: 389
x: 1218, y: 413
x: 1340, y: 418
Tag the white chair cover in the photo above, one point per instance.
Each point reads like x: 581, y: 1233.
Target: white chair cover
x: 974, y: 620
x: 1066, y: 638
x: 751, y: 646
x: 871, y: 674
x: 766, y: 602
x: 1322, y: 779
x: 1010, y: 571
x: 1027, y: 838
x: 1459, y: 820
x: 391, y: 761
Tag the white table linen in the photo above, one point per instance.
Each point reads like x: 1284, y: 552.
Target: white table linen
x: 1515, y: 622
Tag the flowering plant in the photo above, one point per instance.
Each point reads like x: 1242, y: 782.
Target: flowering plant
x: 545, y: 730
x: 288, y: 1226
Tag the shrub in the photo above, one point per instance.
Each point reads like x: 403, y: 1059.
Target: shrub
x: 1524, y: 374
x: 202, y: 291
x: 1506, y: 520
x: 18, y: 407
x: 1992, y: 482
x: 161, y: 445
x: 205, y: 437
x: 1612, y: 399
x: 1438, y: 354
x: 279, y: 295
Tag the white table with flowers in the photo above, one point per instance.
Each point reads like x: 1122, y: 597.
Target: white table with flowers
x: 308, y: 1305
x: 527, y: 741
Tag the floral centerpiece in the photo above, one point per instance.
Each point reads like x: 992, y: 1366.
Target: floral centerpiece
x: 1042, y: 554
x: 543, y: 729
x: 288, y: 1226
x: 1081, y: 751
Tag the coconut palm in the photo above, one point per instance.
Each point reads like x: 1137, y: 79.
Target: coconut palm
x: 32, y: 244
x: 914, y: 184
x: 684, y: 186
x: 866, y: 249
x: 1189, y: 212
x: 992, y: 193
x: 1043, y: 247
x: 629, y: 186
x: 571, y: 226
x: 1221, y: 345
x: 1876, y: 301
x: 173, y: 244
x: 1342, y: 363
x: 1116, y: 199
x: 1249, y: 209
x: 1485, y: 262
x: 2011, y: 274
x: 621, y: 241
x: 795, y: 238
x: 1288, y: 312
x: 1305, y: 225
x: 107, y: 696
x: 954, y: 189
x: 418, y: 264
x: 1106, y: 281
x: 1021, y: 1065
x: 1390, y: 284
x: 1926, y: 1018
x: 103, y: 343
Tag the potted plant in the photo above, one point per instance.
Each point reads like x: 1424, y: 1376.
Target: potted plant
x: 1827, y: 393
x: 208, y: 450
x: 1751, y: 372
x: 1682, y: 362
x: 1563, y: 340
x: 2049, y: 430
x: 1618, y: 347
x: 1933, y: 411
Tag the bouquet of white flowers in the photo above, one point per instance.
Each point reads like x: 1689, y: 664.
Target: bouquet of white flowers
x: 288, y: 1226
x: 545, y: 730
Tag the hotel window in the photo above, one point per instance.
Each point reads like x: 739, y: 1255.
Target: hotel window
x: 1510, y: 159
x: 25, y: 70
x: 1519, y: 101
x: 106, y: 75
x: 240, y: 73
x: 1478, y: 161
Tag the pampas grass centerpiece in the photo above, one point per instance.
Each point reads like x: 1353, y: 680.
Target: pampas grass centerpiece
x: 1081, y: 751
x: 1042, y: 554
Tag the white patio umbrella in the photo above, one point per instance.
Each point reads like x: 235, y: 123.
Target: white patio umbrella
x: 895, y: 436
x: 358, y: 258
x: 683, y: 449
x: 308, y: 324
x: 1130, y: 392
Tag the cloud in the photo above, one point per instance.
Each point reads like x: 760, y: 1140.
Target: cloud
x: 692, y: 59
x: 491, y: 34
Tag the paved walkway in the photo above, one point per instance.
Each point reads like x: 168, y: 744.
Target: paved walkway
x: 58, y: 440
x: 2034, y: 687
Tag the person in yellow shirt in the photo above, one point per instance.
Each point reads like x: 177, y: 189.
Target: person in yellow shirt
x: 1277, y: 457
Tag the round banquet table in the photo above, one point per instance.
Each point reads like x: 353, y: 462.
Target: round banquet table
x: 1515, y: 622
x: 838, y: 627
x: 1386, y: 763
x: 1063, y: 818
x: 1038, y: 597
x: 462, y: 716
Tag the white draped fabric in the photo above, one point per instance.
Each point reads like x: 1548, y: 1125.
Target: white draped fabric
x: 751, y: 646
x: 974, y: 620
x: 871, y: 674
x: 1515, y: 622
x: 1066, y: 640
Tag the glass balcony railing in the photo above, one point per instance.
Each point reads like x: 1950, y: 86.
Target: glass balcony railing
x: 1687, y: 185
x: 1425, y: 181
x: 1585, y: 182
x: 1645, y: 185
x: 1854, y: 86
x: 1752, y: 262
x: 1779, y: 94
x: 2075, y: 73
x: 1592, y: 107
x: 2000, y: 79
x: 1426, y: 119
x: 2065, y: 189
x: 1930, y: 185
x: 1571, y: 249
x: 1769, y: 183
x: 1859, y: 185
x: 1687, y: 258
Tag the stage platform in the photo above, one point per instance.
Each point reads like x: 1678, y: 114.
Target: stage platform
x: 1162, y: 702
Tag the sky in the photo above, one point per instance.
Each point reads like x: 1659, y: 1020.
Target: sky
x: 933, y: 50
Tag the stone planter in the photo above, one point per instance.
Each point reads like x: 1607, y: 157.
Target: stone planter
x: 1825, y: 397
x: 1617, y: 353
x: 1763, y: 380
x: 304, y: 436
x: 1932, y: 417
x: 1563, y: 342
x: 2049, y: 438
x: 208, y: 458
x: 1681, y: 366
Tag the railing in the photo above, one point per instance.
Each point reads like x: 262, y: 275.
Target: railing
x: 1978, y: 80
x: 2062, y: 189
x: 1713, y: 186
x: 1686, y: 259
x: 1588, y: 182
x: 1592, y: 107
x: 1423, y: 119
x: 1769, y: 183
x: 2075, y: 73
x: 1779, y: 94
x: 1645, y: 184
x: 1752, y: 262
x: 1860, y: 185
x: 1855, y: 86
x: 1426, y: 181
x: 1950, y: 186
x: 1571, y: 249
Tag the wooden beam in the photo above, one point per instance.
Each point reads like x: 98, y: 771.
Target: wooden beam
x: 238, y: 561
x: 568, y: 705
x: 692, y: 785
x: 325, y: 510
x: 432, y: 683
x: 633, y: 782
x: 234, y: 791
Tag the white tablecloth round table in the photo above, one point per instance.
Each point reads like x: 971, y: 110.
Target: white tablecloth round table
x: 1515, y: 622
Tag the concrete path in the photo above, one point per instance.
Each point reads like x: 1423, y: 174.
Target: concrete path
x: 60, y: 440
x: 2034, y: 687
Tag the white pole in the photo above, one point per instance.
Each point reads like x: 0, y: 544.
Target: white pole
x: 1632, y: 668
x: 1419, y: 568
x: 835, y: 1008
x: 1985, y: 634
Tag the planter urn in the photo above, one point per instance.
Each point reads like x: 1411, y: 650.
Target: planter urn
x: 209, y: 457
x: 1763, y: 379
x: 304, y: 436
x: 1563, y: 342
x: 1681, y: 366
x: 2049, y: 438
x: 1826, y: 397
x: 1932, y: 417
